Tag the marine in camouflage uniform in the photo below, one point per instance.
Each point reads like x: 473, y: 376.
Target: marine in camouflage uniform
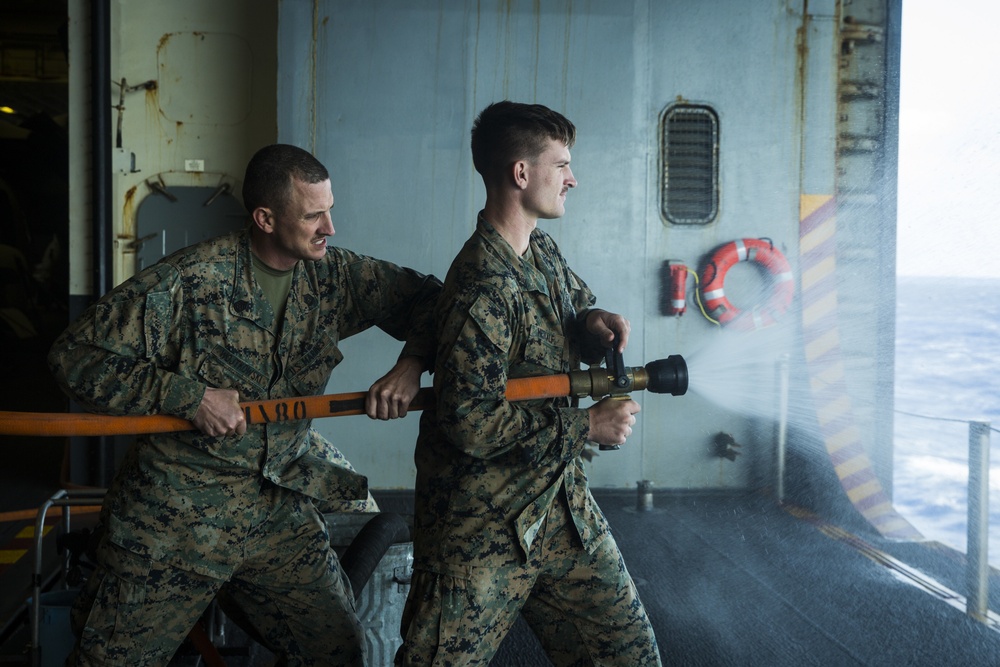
x: 504, y: 517
x: 189, y: 512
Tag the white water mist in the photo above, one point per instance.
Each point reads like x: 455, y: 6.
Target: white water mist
x: 739, y: 371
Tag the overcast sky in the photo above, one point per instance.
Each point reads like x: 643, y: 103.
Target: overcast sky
x: 949, y: 171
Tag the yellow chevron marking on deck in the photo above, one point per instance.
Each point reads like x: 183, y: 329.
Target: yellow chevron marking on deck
x: 819, y: 308
x: 895, y: 522
x: 823, y: 232
x: 885, y: 509
x: 826, y: 369
x: 865, y: 490
x: 851, y: 466
x: 11, y: 556
x: 821, y: 269
x: 849, y: 436
x: 822, y: 345
x: 832, y: 373
x: 28, y: 532
x: 833, y: 410
x: 809, y: 204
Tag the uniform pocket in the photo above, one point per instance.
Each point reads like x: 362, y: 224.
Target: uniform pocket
x: 225, y: 370
x: 116, y: 594
x: 547, y: 350
x: 309, y: 372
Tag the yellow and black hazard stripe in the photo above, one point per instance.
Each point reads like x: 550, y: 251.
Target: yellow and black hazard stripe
x: 22, y: 543
x: 820, y: 325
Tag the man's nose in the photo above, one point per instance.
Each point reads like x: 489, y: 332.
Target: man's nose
x: 570, y: 179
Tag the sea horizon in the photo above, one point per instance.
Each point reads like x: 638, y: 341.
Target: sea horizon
x: 947, y: 346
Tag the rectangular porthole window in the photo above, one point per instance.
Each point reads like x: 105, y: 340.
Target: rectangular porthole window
x: 689, y: 155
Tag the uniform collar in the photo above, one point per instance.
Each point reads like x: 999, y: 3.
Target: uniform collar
x: 248, y: 300
x: 245, y: 301
x: 522, y: 266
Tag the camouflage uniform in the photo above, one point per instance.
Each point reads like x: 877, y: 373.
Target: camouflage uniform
x: 503, y: 510
x: 188, y: 512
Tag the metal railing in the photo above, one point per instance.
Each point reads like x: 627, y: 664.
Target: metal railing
x: 977, y: 573
x: 977, y: 570
x: 66, y: 500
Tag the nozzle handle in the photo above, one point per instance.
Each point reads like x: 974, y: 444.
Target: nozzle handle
x: 614, y: 448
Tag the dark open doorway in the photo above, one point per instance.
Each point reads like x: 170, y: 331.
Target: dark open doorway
x: 34, y: 213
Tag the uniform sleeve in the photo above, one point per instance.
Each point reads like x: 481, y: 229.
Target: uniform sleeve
x: 586, y: 345
x: 477, y: 335
x: 398, y: 300
x: 115, y: 357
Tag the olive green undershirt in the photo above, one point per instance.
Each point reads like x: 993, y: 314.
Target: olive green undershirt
x: 276, y: 285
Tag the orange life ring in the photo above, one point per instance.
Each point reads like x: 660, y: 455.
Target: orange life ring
x: 763, y: 252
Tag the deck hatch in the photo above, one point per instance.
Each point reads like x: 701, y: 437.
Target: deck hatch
x: 689, y: 153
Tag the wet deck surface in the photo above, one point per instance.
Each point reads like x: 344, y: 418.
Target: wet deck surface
x: 739, y: 580
x: 736, y: 580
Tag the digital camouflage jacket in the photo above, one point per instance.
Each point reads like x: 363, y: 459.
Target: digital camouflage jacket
x: 198, y: 319
x: 488, y: 469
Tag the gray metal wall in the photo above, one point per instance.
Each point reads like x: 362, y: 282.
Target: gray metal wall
x: 385, y: 93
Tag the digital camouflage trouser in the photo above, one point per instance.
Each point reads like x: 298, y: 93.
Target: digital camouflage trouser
x: 134, y: 611
x: 584, y: 607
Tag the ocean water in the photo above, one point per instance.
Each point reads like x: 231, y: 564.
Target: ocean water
x: 947, y: 374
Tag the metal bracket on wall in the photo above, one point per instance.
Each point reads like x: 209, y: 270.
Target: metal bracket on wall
x: 123, y: 88
x: 223, y: 189
x: 160, y: 188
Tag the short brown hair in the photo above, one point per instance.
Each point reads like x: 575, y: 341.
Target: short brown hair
x: 268, y: 179
x: 506, y: 132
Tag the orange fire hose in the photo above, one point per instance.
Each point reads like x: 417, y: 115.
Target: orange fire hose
x: 662, y: 376
x: 257, y: 412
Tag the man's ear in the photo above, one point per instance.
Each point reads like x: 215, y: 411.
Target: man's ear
x: 263, y: 218
x: 519, y: 172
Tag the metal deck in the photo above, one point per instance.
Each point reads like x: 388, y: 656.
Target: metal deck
x: 726, y: 580
x: 739, y: 580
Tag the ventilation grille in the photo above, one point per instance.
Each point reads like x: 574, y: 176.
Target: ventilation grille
x: 690, y: 158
